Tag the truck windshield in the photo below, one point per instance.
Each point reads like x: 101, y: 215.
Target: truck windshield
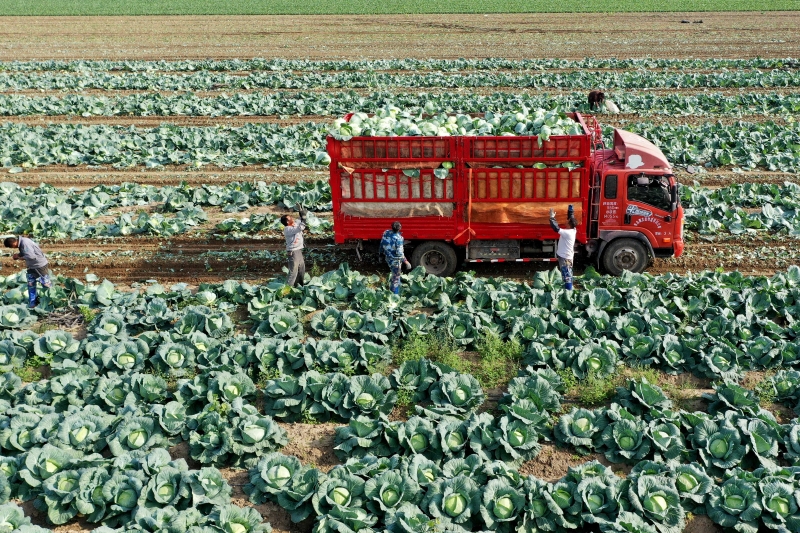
x: 650, y: 190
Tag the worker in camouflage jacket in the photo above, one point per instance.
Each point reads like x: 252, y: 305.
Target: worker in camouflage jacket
x: 392, y: 249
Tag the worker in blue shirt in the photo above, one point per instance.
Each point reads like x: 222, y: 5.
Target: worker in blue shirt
x: 392, y: 249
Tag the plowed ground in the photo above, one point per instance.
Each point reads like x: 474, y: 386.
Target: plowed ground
x: 516, y: 36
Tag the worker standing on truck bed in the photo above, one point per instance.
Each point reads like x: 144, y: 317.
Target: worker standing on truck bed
x: 35, y: 262
x: 566, y: 245
x: 293, y: 232
x: 392, y: 248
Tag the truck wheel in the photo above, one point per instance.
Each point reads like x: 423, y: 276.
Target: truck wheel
x: 625, y: 254
x: 435, y: 257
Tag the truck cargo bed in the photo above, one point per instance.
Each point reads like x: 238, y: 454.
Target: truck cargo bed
x: 497, y: 187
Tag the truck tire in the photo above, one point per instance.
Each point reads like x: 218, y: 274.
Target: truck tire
x: 625, y: 254
x: 435, y: 257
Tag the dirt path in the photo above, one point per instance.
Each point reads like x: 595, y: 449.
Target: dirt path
x: 568, y: 36
x: 723, y: 178
x: 155, y: 121
x: 81, y: 178
x: 196, y: 259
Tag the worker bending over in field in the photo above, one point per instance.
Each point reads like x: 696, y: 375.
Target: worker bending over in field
x: 566, y: 245
x: 35, y: 262
x: 598, y: 100
x: 392, y: 248
x: 293, y: 232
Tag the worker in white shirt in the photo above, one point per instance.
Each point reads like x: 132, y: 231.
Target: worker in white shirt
x: 566, y: 245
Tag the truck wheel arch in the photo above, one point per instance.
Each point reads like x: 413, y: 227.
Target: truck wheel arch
x: 607, y: 237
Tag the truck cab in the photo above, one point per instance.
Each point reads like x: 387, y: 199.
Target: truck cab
x: 637, y: 213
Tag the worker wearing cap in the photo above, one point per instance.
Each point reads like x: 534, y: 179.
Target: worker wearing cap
x: 35, y: 262
x: 392, y: 249
x: 566, y: 245
x: 293, y: 232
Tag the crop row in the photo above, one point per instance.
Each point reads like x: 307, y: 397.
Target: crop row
x: 405, y: 495
x: 640, y: 425
x: 749, y: 145
x: 125, y: 490
x: 49, y: 212
x: 338, y: 104
x: 206, y: 81
x: 46, y: 211
x: 726, y: 209
x: 182, y: 335
x: 676, y: 324
x: 268, y: 144
x: 684, y: 463
x: 147, y: 335
x: 278, y: 64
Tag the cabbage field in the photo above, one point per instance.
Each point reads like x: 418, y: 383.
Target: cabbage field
x: 171, y: 382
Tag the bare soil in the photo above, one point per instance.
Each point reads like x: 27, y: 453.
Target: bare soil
x: 738, y: 35
x: 701, y: 524
x: 717, y: 178
x: 200, y: 258
x: 39, y: 518
x: 279, y: 519
x: 85, y: 178
x: 312, y: 444
x: 686, y: 390
x: 553, y: 462
x: 181, y: 451
x: 270, y: 512
x: 156, y: 121
x: 169, y: 261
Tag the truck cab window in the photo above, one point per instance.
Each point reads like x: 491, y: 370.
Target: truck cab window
x: 610, y: 190
x: 650, y: 190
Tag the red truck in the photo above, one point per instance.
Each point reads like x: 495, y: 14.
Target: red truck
x: 487, y: 198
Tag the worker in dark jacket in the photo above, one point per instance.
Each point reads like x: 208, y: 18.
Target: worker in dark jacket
x: 293, y: 232
x: 566, y: 245
x: 392, y: 249
x: 35, y: 262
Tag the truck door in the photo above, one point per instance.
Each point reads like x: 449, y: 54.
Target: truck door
x: 651, y: 202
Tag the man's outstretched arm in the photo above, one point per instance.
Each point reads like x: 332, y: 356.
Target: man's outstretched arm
x: 553, y: 223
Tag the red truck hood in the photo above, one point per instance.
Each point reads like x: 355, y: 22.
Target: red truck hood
x: 638, y: 152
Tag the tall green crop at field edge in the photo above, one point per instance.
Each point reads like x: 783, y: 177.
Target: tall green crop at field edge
x: 366, y: 7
